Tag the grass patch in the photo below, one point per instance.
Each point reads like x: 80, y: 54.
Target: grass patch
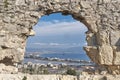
x: 6, y: 3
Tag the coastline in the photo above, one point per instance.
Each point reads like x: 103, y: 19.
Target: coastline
x: 57, y: 61
x: 58, y: 57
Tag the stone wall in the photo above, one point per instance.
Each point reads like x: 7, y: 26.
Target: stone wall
x: 36, y: 77
x: 102, y: 18
x: 57, y: 77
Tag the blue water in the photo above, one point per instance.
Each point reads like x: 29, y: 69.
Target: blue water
x: 61, y: 56
x: 74, y: 56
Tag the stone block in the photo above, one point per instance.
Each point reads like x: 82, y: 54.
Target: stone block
x: 105, y: 55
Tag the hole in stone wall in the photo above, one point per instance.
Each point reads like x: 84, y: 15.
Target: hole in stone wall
x: 7, y: 61
x: 57, y: 46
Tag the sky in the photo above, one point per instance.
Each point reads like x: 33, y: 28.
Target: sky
x: 57, y: 30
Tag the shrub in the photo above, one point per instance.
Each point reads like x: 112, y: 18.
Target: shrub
x: 71, y: 72
x: 45, y: 71
x: 24, y: 78
x: 6, y: 3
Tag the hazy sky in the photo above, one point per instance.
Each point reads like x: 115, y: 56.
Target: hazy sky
x: 57, y: 30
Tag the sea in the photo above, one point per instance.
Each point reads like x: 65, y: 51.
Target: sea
x: 74, y: 56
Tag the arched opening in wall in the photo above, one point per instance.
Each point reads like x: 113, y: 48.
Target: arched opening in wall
x: 57, y: 46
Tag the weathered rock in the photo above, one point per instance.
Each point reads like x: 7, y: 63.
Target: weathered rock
x: 99, y: 77
x: 36, y: 77
x: 115, y: 38
x: 92, y: 52
x: 105, y: 55
x: 116, y: 55
x: 8, y: 69
x: 57, y: 77
x: 101, y: 17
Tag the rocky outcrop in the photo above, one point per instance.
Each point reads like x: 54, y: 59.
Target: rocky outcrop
x: 101, y: 17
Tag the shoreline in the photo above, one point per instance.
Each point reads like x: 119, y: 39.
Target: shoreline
x: 57, y: 61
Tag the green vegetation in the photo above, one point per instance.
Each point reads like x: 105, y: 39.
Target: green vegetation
x: 71, y: 72
x: 45, y: 71
x: 35, y: 70
x: 6, y: 3
x: 24, y: 78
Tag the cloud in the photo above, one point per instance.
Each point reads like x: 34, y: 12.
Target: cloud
x: 57, y: 27
x: 39, y: 43
x: 50, y: 44
x: 57, y: 44
x: 56, y: 21
x: 58, y: 34
x: 85, y: 44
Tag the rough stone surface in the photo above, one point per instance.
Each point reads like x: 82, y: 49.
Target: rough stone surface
x: 8, y: 69
x: 102, y: 18
x: 58, y: 77
x: 36, y: 77
x: 99, y: 77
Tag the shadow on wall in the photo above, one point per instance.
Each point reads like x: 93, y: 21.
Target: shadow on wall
x: 118, y: 42
x: 7, y: 61
x: 118, y: 45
